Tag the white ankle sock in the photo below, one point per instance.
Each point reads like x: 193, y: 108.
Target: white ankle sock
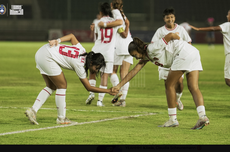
x: 124, y: 89
x: 114, y: 80
x: 172, y: 113
x: 201, y: 111
x: 101, y: 95
x: 41, y: 98
x: 92, y: 82
x: 60, y: 102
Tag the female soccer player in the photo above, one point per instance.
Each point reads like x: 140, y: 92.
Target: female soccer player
x: 225, y: 30
x: 49, y: 59
x: 122, y: 57
x: 104, y: 44
x: 171, y: 26
x: 181, y: 58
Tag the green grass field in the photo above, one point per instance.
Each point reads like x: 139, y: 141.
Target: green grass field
x: 20, y: 83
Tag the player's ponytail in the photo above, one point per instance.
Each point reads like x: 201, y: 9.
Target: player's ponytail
x: 93, y: 59
x: 118, y: 4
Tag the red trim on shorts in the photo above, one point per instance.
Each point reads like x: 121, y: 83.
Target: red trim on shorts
x: 60, y: 94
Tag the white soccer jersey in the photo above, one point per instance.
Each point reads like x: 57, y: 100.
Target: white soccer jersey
x: 163, y: 54
x: 121, y: 43
x: 162, y: 31
x: 68, y: 57
x: 225, y: 27
x: 105, y: 43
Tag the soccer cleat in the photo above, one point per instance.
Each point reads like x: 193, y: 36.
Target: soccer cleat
x: 116, y: 97
x: 204, y: 121
x: 90, y: 98
x: 63, y: 121
x: 31, y: 114
x: 120, y: 103
x: 180, y: 105
x: 100, y: 104
x: 170, y: 123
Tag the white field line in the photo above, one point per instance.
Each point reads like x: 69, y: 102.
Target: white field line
x: 75, y: 124
x: 75, y: 110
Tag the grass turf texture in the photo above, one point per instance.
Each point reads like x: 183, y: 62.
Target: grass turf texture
x: 20, y: 83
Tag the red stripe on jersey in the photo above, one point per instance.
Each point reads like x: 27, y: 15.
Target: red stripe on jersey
x: 60, y: 94
x: 165, y: 41
x: 171, y: 29
x: 47, y: 91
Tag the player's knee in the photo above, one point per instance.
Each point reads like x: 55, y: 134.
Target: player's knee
x: 227, y: 81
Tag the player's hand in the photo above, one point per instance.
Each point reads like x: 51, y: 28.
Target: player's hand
x: 115, y: 89
x: 92, y: 26
x: 53, y: 43
x: 195, y: 28
x: 113, y: 92
x: 101, y: 24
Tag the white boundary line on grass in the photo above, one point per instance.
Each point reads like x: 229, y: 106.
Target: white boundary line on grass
x: 75, y: 124
x: 75, y: 110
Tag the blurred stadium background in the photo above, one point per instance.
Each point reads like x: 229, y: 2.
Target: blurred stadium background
x: 47, y: 19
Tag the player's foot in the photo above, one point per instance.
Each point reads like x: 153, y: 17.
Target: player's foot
x: 90, y: 98
x: 170, y: 123
x: 116, y: 97
x: 204, y: 121
x: 180, y: 105
x: 63, y: 121
x: 100, y: 104
x: 31, y: 114
x: 120, y: 103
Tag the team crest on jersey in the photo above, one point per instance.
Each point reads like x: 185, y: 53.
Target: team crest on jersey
x: 2, y: 9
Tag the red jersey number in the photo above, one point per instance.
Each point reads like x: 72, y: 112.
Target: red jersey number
x: 106, y: 35
x: 70, y: 51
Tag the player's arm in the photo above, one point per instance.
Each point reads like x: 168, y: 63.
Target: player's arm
x: 212, y: 28
x: 69, y: 37
x: 171, y: 36
x: 88, y: 87
x: 118, y: 22
x: 124, y: 33
x: 131, y: 74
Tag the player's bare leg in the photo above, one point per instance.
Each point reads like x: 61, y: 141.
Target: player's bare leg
x: 192, y: 81
x: 179, y: 89
x: 227, y: 81
x: 170, y: 84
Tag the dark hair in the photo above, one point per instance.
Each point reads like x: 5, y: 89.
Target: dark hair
x: 137, y: 45
x: 93, y: 59
x: 168, y: 11
x: 118, y: 4
x: 105, y: 9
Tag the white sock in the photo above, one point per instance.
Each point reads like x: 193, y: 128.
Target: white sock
x: 201, y: 111
x: 172, y: 113
x: 178, y: 96
x: 124, y: 90
x: 92, y: 82
x: 101, y: 95
x: 60, y: 102
x: 114, y: 80
x: 41, y: 98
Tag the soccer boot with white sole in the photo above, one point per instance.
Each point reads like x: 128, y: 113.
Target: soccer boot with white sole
x: 120, y: 103
x: 116, y: 97
x: 100, y: 104
x: 204, y: 121
x: 90, y: 99
x: 170, y: 123
x: 180, y: 105
x: 63, y: 121
x: 31, y: 114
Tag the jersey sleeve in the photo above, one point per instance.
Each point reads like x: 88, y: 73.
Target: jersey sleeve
x: 225, y: 27
x: 117, y: 14
x: 156, y: 36
x: 185, y: 35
